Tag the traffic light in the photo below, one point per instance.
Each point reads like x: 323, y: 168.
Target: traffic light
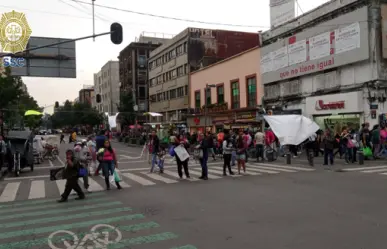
x: 116, y: 35
x: 98, y: 98
x: 56, y: 104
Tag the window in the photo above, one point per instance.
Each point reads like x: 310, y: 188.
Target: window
x: 180, y: 71
x: 220, y: 94
x: 208, y: 96
x: 174, y: 74
x: 186, y: 69
x: 141, y: 91
x: 152, y: 82
x: 185, y: 47
x: 251, y: 92
x: 179, y: 50
x: 159, y: 79
x: 186, y: 90
x: 158, y: 62
x: 172, y: 94
x: 160, y: 97
x: 197, y: 99
x: 180, y: 92
x: 141, y: 60
x: 235, y: 95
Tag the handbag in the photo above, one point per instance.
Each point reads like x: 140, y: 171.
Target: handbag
x: 367, y: 151
x: 198, y: 153
x: 82, y: 172
x: 172, y: 151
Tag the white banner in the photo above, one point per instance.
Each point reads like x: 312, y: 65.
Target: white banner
x: 291, y: 129
x: 347, y: 38
x: 319, y: 46
x: 297, y: 52
x: 266, y: 63
x: 280, y: 58
x: 282, y: 12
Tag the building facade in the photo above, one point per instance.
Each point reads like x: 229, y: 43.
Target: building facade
x: 107, y: 84
x: 171, y: 64
x: 133, y: 63
x: 328, y: 65
x: 86, y: 95
x: 232, y: 100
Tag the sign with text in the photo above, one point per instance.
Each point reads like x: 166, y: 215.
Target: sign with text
x: 321, y: 105
x: 331, y: 44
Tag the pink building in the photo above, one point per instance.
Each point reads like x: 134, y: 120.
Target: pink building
x: 233, y: 97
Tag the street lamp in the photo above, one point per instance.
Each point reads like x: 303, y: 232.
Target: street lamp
x: 208, y: 87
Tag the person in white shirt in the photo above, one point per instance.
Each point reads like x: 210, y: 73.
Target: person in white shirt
x: 228, y: 148
x: 259, y: 139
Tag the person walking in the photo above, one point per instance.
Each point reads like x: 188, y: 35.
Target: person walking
x: 328, y: 143
x: 228, y: 148
x: 203, y: 146
x: 260, y: 145
x: 100, y: 144
x: 71, y: 173
x: 182, y: 164
x: 241, y: 147
x: 109, y: 163
x: 154, y: 148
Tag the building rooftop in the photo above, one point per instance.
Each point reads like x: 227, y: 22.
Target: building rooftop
x: 309, y: 18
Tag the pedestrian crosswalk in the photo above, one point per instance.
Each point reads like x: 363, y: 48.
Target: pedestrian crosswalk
x: 380, y: 170
x: 34, y: 188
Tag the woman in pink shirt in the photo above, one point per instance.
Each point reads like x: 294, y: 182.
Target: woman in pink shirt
x: 109, y: 163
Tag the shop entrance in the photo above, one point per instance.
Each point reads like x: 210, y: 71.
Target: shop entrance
x: 337, y: 122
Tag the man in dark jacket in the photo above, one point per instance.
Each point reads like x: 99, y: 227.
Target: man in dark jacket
x: 155, y: 142
x: 71, y: 175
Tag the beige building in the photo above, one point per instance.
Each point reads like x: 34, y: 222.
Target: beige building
x: 107, y: 84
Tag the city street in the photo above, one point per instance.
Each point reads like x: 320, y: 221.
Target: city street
x: 275, y: 206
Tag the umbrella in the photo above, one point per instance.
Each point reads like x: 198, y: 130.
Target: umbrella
x: 153, y: 114
x: 134, y: 126
x: 32, y: 112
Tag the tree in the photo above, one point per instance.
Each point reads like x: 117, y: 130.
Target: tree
x: 16, y: 101
x: 70, y: 115
x: 127, y: 115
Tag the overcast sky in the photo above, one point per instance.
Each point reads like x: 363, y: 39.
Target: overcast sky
x: 68, y: 19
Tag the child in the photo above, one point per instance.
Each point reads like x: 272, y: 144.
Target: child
x: 161, y: 155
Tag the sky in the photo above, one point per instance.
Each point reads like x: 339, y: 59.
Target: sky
x: 69, y: 19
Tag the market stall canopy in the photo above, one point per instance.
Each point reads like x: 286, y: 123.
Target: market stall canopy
x: 32, y: 112
x: 291, y: 129
x: 153, y: 114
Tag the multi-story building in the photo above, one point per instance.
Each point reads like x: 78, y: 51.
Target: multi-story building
x: 107, y: 84
x: 233, y: 95
x: 171, y: 63
x: 86, y: 95
x: 133, y: 63
x: 329, y: 65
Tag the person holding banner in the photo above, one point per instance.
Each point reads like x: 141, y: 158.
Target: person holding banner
x: 182, y: 157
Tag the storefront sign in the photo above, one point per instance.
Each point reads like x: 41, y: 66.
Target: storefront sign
x: 213, y: 108
x: 248, y: 115
x: 351, y: 102
x: 320, y: 105
x: 324, y: 48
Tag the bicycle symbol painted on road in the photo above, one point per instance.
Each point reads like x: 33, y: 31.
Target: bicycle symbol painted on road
x: 99, y: 236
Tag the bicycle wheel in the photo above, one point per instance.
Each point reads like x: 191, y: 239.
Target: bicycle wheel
x: 106, y: 234
x: 63, y: 239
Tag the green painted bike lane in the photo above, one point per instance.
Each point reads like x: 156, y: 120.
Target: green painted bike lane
x: 46, y: 224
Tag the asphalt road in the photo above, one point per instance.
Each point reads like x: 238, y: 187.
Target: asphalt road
x: 301, y: 209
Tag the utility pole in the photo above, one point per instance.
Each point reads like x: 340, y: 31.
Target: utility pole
x: 92, y: 6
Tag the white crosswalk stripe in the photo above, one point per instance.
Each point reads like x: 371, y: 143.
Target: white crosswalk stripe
x: 37, y: 186
x: 37, y: 190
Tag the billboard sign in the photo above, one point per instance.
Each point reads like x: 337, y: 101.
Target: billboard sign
x: 57, y: 61
x: 281, y: 11
x: 334, y: 43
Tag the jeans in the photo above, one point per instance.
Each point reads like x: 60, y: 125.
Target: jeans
x: 260, y: 149
x: 233, y: 158
x: 203, y: 163
x: 154, y: 161
x: 348, y: 152
x: 328, y: 153
x: 108, y: 169
x: 86, y: 179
